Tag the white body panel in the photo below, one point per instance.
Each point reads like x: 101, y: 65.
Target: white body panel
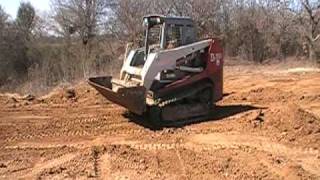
x: 130, y: 69
x: 158, y: 62
x: 166, y: 60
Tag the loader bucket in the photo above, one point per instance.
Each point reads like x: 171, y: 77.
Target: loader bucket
x: 132, y: 98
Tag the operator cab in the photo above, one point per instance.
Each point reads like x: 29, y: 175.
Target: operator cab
x: 163, y: 33
x: 167, y: 32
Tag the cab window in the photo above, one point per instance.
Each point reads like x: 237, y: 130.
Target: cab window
x: 174, y: 35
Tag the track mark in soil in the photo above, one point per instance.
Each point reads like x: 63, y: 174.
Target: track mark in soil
x: 38, y: 168
x: 79, y: 143
x: 181, y: 162
x: 95, y: 156
x: 105, y: 166
x: 306, y: 158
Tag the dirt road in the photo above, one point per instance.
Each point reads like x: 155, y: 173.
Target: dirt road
x: 267, y: 127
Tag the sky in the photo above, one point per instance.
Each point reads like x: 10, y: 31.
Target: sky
x: 11, y: 6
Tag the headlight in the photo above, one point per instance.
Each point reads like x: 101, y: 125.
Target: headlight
x: 145, y: 22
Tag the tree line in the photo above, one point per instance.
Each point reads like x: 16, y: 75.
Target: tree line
x: 79, y: 38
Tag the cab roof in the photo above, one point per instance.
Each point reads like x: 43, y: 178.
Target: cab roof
x: 180, y: 20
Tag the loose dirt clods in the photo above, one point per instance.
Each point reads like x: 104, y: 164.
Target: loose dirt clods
x: 267, y: 127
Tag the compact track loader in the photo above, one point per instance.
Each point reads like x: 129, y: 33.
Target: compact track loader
x: 173, y: 77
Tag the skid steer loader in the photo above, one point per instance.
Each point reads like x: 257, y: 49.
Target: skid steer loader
x: 173, y: 77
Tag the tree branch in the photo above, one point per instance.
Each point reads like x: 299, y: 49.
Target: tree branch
x: 308, y: 8
x: 316, y: 38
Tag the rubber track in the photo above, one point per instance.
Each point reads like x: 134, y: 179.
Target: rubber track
x: 179, y: 97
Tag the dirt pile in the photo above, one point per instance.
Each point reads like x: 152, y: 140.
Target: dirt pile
x: 310, y: 98
x: 7, y: 99
x: 16, y: 100
x: 81, y: 93
x: 294, y: 124
x: 265, y: 95
x: 279, y: 113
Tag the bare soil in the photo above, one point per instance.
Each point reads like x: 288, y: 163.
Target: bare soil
x: 267, y: 127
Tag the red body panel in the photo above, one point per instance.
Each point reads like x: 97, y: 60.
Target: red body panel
x: 213, y: 72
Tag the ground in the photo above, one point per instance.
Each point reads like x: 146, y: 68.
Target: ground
x: 267, y: 127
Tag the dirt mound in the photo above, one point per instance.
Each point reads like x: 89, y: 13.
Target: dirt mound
x: 16, y: 100
x: 295, y: 124
x: 57, y: 96
x: 80, y: 93
x: 302, y: 70
x: 6, y: 99
x: 279, y: 113
x: 310, y: 98
x: 88, y: 95
x: 264, y: 95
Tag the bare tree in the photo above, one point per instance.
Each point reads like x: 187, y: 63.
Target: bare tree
x: 43, y: 25
x: 310, y: 21
x: 125, y: 20
x: 81, y: 19
x: 14, y: 62
x: 25, y: 19
x: 3, y: 18
x: 3, y: 61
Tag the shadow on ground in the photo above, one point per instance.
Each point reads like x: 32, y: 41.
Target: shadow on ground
x: 219, y: 113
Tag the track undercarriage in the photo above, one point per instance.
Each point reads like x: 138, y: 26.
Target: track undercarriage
x: 194, y: 102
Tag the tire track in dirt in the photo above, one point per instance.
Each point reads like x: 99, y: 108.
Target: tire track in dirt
x: 183, y: 168
x: 95, y: 153
x: 308, y: 159
x: 78, y: 143
x: 207, y: 141
x: 40, y: 167
x: 105, y: 166
x: 282, y: 172
x: 111, y: 130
